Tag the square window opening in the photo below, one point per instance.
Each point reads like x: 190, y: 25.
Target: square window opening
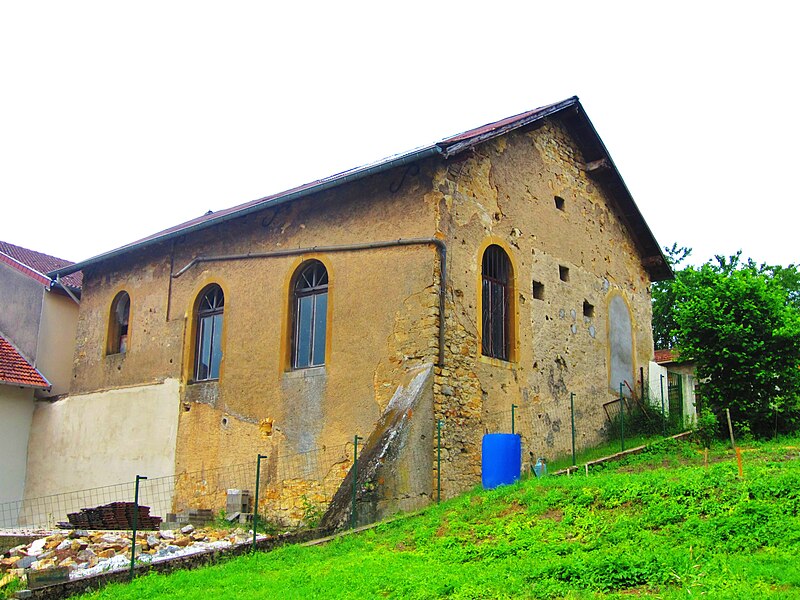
x: 563, y: 273
x: 538, y: 290
x: 588, y: 310
x: 559, y: 202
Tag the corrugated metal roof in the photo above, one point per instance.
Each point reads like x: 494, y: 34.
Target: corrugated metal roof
x: 653, y: 258
x: 16, y: 370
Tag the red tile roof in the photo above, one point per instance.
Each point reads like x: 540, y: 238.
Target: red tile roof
x: 665, y: 356
x: 572, y: 110
x: 16, y: 370
x: 36, y: 264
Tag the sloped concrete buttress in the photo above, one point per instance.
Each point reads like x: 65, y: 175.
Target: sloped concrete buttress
x: 396, y: 465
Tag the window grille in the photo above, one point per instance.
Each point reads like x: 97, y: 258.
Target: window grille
x: 496, y: 271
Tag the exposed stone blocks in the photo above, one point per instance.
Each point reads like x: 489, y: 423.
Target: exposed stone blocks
x: 506, y: 192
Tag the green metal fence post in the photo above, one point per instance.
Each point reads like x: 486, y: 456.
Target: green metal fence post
x: 255, y: 506
x: 663, y: 416
x: 513, y: 408
x: 355, y: 481
x: 572, y: 418
x: 622, y: 417
x: 135, y: 518
x: 439, y: 460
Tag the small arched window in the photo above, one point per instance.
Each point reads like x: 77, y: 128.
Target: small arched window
x: 208, y: 345
x: 118, y: 324
x: 310, y: 299
x: 496, y: 275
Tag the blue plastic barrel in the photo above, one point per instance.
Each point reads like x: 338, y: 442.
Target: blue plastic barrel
x: 501, y: 459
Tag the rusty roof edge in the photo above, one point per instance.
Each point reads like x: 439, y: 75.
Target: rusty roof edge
x: 276, y: 200
x: 656, y: 274
x: 442, y: 148
x: 449, y: 150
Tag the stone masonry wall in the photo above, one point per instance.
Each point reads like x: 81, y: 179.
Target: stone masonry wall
x: 504, y: 193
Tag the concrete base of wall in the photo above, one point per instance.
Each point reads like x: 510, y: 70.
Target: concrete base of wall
x: 102, y: 439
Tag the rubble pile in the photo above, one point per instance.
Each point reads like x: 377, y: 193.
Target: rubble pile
x: 86, y: 553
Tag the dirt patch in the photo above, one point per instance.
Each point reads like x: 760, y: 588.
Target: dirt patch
x: 512, y: 508
x: 443, y: 530
x: 554, y: 514
x: 405, y: 547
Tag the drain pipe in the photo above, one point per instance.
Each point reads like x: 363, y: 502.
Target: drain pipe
x: 67, y: 290
x: 441, y: 247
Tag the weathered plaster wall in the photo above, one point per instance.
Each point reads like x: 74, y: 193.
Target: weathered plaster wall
x: 504, y: 193
x: 16, y: 408
x: 57, y: 327
x: 92, y: 440
x: 383, y: 312
x: 21, y: 302
x: 382, y: 320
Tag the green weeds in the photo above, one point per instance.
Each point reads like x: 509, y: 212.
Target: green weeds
x: 659, y: 524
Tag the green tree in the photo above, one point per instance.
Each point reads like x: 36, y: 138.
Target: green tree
x: 742, y: 326
x: 663, y: 293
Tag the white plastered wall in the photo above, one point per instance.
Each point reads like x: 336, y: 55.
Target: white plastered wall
x: 102, y: 439
x: 655, y: 384
x: 688, y: 382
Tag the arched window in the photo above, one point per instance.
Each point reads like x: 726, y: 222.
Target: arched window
x: 496, y: 275
x: 310, y: 299
x: 118, y: 324
x: 208, y: 346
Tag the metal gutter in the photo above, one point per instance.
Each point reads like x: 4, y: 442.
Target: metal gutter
x: 66, y: 288
x: 439, y: 244
x: 256, y: 206
x: 29, y: 386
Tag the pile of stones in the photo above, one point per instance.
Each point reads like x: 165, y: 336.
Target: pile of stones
x: 84, y: 551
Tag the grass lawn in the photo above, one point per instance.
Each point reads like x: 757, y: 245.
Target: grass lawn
x: 655, y: 525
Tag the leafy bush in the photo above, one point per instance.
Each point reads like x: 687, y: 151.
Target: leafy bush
x: 706, y: 429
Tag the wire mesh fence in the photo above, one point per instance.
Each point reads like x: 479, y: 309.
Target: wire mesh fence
x: 292, y: 487
x: 399, y: 468
x: 559, y: 430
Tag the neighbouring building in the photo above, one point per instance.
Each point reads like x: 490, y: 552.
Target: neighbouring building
x: 675, y: 381
x: 505, y: 265
x: 37, y: 339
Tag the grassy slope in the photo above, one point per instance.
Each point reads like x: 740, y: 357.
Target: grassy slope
x: 657, y: 525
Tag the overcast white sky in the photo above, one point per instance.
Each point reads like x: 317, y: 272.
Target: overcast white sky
x: 118, y: 119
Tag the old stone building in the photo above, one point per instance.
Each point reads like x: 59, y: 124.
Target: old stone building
x: 505, y: 265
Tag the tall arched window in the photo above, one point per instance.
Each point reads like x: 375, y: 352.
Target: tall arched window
x: 310, y: 299
x: 208, y: 345
x: 496, y: 275
x: 118, y: 324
